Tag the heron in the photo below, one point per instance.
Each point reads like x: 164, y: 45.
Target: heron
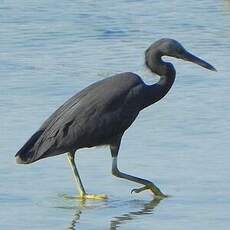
x: 100, y: 114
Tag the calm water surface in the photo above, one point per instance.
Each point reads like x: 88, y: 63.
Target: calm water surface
x: 49, y: 50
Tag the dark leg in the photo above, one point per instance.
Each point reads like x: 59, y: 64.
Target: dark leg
x: 114, y: 148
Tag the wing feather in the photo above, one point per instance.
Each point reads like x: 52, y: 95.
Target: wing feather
x: 89, y: 118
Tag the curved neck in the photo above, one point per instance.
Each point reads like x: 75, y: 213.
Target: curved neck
x: 153, y: 93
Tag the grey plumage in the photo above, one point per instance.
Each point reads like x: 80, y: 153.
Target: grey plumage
x: 92, y: 117
x: 100, y: 113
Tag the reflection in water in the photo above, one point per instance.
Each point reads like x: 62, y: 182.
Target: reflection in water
x: 124, y: 218
x: 82, y: 205
x: 76, y: 217
x: 117, y: 221
x: 146, y: 208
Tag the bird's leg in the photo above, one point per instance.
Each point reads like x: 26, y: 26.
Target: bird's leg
x: 77, y: 178
x: 114, y: 147
x: 83, y: 195
x: 147, y: 184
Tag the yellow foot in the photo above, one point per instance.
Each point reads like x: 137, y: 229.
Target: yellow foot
x: 88, y: 197
x: 153, y: 188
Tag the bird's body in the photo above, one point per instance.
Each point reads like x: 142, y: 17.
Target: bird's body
x: 95, y: 116
x: 92, y: 117
x: 102, y: 112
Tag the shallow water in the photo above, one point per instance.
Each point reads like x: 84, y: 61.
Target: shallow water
x: 49, y: 50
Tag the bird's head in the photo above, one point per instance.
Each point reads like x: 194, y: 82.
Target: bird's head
x: 172, y: 48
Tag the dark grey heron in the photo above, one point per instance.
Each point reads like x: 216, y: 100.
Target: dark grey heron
x: 102, y: 112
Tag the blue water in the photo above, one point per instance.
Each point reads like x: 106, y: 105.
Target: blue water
x: 49, y: 50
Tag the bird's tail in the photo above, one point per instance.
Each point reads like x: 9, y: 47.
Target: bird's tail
x: 25, y: 154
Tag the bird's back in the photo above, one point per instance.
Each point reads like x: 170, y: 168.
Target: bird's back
x: 90, y: 118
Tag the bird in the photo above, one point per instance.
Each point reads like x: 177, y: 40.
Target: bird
x: 100, y: 114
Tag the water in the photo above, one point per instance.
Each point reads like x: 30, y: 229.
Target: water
x: 49, y: 50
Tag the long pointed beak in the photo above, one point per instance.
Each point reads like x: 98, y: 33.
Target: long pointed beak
x: 191, y: 58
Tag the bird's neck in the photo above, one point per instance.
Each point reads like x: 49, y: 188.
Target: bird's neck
x: 167, y: 78
x: 155, y: 92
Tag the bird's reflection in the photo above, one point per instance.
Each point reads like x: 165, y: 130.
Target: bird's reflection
x: 117, y: 221
x: 74, y: 222
x: 76, y: 216
x: 124, y: 218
